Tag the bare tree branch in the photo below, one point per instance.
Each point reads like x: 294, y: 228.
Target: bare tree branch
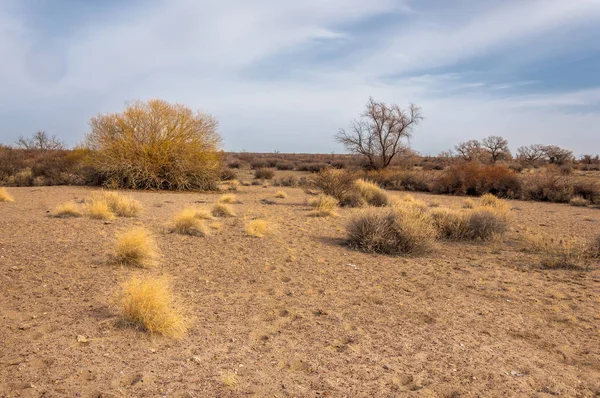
x: 380, y: 132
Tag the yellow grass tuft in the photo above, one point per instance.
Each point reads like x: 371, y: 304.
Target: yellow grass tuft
x: 122, y: 205
x: 280, y: 195
x: 97, y: 209
x: 468, y: 204
x: 149, y: 304
x: 5, y: 196
x: 186, y: 222
x: 222, y: 210
x: 229, y: 379
x: 202, y: 214
x: 257, y: 228
x: 136, y: 247
x: 228, y: 198
x: 372, y: 193
x: 66, y: 210
x: 324, y: 206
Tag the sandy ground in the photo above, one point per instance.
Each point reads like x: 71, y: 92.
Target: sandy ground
x: 295, y: 313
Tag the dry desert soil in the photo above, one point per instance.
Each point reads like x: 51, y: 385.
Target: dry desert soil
x: 296, y: 313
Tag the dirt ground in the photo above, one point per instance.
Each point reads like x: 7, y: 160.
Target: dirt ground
x: 296, y: 313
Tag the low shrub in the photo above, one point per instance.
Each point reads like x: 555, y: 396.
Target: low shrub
x: 473, y: 178
x: 67, y: 210
x: 256, y: 164
x: 312, y: 167
x: 287, y: 181
x: 579, y: 201
x: 484, y: 223
x: 5, y: 196
x: 283, y: 165
x: 280, y: 195
x: 228, y: 174
x: 400, y: 180
x: 336, y: 183
x: 136, y: 247
x: 395, y: 231
x: 481, y: 223
x: 234, y: 164
x: 264, y: 174
x: 149, y: 304
x: 324, y: 206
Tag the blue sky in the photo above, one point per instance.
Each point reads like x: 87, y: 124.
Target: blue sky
x: 286, y: 75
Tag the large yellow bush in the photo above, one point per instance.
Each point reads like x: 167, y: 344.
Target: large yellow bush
x: 156, y: 145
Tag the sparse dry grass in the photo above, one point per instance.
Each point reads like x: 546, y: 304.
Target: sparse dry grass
x: 97, y: 209
x: 5, y: 196
x: 222, y: 210
x: 186, y: 222
x: 372, y: 193
x: 67, y: 210
x: 228, y: 198
x: 281, y: 195
x: 324, y: 206
x: 136, y: 247
x: 557, y: 252
x: 401, y: 230
x: 257, y: 228
x: 121, y: 205
x: 149, y: 304
x: 233, y: 185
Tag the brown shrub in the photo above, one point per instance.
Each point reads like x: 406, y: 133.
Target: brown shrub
x: 473, y: 178
x: 264, y: 174
x: 287, y: 181
x: 228, y: 174
x: 336, y: 183
x: 400, y: 180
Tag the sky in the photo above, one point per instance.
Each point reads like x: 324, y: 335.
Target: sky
x: 287, y: 75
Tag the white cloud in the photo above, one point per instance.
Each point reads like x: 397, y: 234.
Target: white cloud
x: 198, y: 52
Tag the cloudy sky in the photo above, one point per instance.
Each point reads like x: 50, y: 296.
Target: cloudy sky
x: 286, y: 75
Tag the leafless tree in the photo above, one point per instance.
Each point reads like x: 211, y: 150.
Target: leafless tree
x: 497, y: 148
x: 557, y: 155
x: 470, y: 150
x: 531, y: 154
x: 380, y: 132
x: 40, y: 141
